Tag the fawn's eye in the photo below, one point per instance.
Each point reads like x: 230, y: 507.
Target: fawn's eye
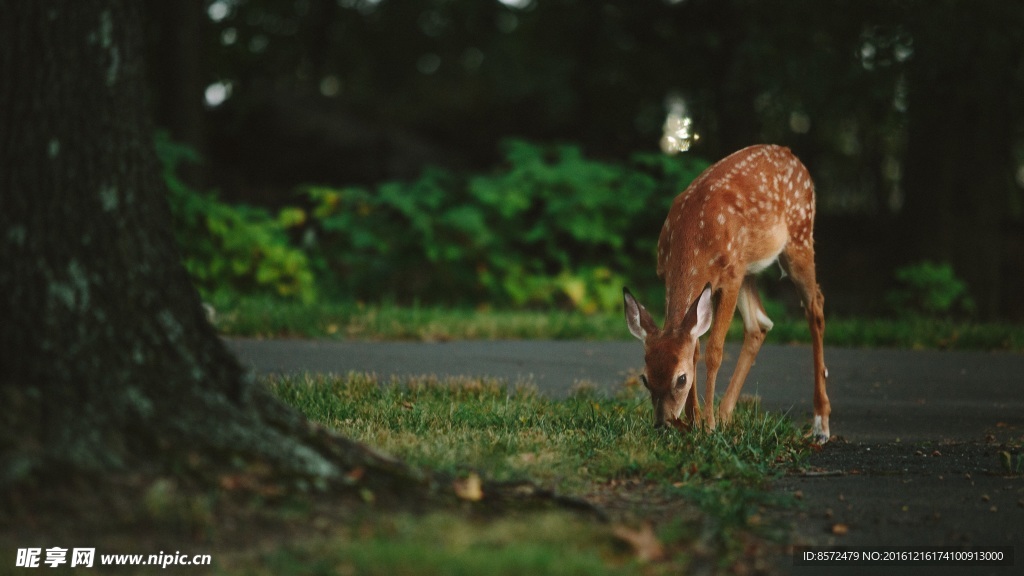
x: 681, y: 381
x: 643, y: 378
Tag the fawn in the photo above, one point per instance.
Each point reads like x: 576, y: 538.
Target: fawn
x: 739, y: 216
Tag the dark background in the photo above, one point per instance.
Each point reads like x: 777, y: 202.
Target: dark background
x: 907, y: 113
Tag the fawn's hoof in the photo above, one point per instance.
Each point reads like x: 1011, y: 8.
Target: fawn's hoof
x: 819, y: 431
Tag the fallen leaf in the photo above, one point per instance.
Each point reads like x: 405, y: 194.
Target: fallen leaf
x: 270, y: 490
x: 469, y: 488
x: 527, y: 458
x: 355, y: 475
x: 230, y: 482
x: 643, y: 541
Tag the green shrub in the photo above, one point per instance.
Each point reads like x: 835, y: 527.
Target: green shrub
x: 928, y: 289
x: 549, y: 227
x: 232, y: 250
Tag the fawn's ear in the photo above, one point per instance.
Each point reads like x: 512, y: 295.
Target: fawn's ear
x: 698, y: 317
x: 638, y: 319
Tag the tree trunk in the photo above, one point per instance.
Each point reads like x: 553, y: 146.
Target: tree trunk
x: 108, y: 360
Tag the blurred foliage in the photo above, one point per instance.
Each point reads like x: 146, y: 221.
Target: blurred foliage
x: 359, y: 92
x: 232, y: 250
x: 930, y: 290
x: 550, y: 227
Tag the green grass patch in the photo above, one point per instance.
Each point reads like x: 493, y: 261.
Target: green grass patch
x: 458, y: 424
x: 705, y: 493
x: 447, y: 544
x: 268, y: 318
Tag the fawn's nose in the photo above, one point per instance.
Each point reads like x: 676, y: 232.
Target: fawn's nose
x: 663, y: 414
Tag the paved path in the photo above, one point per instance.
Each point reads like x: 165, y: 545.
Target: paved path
x: 877, y: 395
x: 916, y: 460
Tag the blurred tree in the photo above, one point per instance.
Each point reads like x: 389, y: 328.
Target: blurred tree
x: 177, y: 42
x: 108, y: 362
x: 965, y: 91
x: 348, y: 92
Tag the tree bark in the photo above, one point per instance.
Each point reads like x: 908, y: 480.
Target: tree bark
x: 108, y: 360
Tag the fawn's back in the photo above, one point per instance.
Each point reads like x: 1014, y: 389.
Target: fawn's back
x: 735, y: 219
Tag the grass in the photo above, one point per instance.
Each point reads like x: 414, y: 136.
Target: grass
x: 459, y: 424
x: 704, y: 493
x: 671, y: 503
x: 445, y: 544
x: 270, y: 319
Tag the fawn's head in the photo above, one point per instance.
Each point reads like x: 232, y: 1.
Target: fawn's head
x: 669, y: 372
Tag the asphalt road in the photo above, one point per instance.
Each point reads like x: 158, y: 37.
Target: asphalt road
x: 915, y: 457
